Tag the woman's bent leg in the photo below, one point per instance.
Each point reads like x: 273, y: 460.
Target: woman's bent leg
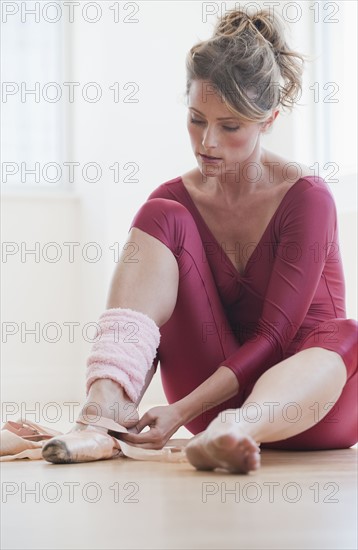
x: 133, y: 300
x: 167, y: 278
x: 164, y: 273
x: 146, y: 281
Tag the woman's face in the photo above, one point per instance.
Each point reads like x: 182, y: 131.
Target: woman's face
x: 232, y: 141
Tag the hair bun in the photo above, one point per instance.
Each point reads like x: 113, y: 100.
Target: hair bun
x: 233, y: 23
x: 261, y: 25
x: 249, y: 51
x: 269, y: 28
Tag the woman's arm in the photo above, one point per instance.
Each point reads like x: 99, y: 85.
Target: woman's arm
x: 164, y: 421
x: 307, y: 225
x: 219, y: 387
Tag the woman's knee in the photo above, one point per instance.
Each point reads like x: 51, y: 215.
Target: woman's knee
x: 160, y: 208
x: 168, y: 221
x: 337, y: 335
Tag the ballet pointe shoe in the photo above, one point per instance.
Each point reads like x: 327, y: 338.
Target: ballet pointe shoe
x: 23, y: 439
x: 29, y: 431
x: 85, y: 445
x: 99, y: 442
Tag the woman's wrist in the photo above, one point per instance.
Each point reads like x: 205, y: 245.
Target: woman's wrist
x: 220, y: 387
x: 184, y: 411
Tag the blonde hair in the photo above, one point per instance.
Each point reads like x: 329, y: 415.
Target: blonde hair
x: 249, y: 64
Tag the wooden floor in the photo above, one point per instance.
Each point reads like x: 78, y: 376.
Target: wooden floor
x: 296, y: 501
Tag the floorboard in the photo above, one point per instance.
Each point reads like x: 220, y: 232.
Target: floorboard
x: 295, y: 501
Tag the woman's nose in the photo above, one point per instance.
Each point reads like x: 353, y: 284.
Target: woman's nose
x: 209, y: 140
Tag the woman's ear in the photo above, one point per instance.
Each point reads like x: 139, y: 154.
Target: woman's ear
x: 268, y: 123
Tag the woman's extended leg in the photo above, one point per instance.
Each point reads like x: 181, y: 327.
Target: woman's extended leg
x: 288, y: 399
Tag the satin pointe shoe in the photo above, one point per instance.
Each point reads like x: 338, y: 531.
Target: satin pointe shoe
x: 23, y: 439
x: 91, y: 443
x: 85, y: 444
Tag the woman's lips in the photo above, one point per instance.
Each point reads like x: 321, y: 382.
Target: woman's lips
x: 209, y: 159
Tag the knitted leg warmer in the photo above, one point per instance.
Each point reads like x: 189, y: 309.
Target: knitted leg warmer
x: 124, y: 351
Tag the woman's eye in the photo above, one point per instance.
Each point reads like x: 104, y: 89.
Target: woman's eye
x: 228, y: 128
x: 231, y: 129
x: 194, y: 121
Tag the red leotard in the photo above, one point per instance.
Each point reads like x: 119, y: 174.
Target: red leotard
x: 290, y: 297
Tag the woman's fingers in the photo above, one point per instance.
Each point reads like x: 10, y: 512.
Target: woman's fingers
x: 146, y: 420
x: 152, y: 439
x: 146, y: 437
x: 151, y: 446
x: 162, y: 425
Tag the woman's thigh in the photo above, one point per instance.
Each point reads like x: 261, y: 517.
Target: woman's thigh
x: 339, y: 428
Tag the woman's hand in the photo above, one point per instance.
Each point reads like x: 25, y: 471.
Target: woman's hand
x: 163, y: 423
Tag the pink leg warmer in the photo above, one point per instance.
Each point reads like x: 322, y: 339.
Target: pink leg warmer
x: 125, y: 349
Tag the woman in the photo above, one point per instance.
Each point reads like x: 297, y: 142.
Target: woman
x: 235, y: 283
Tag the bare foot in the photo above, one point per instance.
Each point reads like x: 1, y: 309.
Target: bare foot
x: 224, y: 444
x: 85, y: 443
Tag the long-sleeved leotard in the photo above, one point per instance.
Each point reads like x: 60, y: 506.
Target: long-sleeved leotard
x: 290, y: 297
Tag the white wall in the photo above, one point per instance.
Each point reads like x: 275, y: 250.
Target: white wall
x: 152, y: 134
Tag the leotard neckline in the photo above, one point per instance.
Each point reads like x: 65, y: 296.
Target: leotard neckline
x: 259, y: 243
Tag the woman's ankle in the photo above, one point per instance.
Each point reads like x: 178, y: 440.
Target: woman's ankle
x: 107, y: 398
x: 109, y: 389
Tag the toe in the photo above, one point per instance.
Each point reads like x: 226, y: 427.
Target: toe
x: 56, y: 452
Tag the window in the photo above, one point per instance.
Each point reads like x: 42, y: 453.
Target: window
x: 335, y: 92
x: 33, y: 113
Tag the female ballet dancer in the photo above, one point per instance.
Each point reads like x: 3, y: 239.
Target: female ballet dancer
x: 235, y: 284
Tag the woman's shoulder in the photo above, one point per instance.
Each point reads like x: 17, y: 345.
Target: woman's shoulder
x: 307, y: 193
x: 165, y: 189
x: 281, y: 170
x: 297, y: 175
